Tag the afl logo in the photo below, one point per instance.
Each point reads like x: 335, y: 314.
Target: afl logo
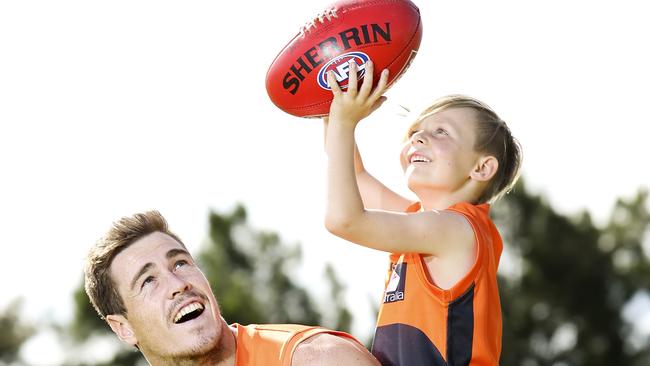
x: 341, y: 67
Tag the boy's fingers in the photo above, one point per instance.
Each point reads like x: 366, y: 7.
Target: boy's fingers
x: 378, y: 103
x: 334, y: 85
x: 352, y: 78
x: 366, y: 85
x: 381, y: 86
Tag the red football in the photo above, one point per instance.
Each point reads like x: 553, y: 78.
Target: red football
x: 388, y: 32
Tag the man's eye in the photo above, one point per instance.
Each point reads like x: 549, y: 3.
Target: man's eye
x: 180, y: 263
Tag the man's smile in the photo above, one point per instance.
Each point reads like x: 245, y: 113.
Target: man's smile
x: 190, y: 309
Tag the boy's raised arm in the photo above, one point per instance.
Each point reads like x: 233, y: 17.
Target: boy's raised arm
x: 430, y: 232
x: 375, y: 194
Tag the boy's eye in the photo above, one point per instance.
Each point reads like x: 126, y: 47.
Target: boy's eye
x: 147, y: 280
x: 440, y: 131
x: 413, y: 132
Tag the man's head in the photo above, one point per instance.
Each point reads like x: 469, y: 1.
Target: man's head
x: 142, y: 280
x: 499, y: 154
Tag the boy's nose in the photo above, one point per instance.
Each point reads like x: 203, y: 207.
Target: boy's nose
x: 418, y: 138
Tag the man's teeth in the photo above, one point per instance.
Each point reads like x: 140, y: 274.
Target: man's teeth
x: 187, y: 309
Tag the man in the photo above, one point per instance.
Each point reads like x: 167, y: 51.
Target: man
x: 143, y: 282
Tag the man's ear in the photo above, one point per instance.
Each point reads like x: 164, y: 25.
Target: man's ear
x: 485, y: 168
x: 121, y: 326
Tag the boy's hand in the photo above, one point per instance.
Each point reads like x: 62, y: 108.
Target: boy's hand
x: 352, y: 106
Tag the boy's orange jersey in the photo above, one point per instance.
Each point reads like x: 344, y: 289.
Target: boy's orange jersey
x: 273, y: 344
x: 422, y: 324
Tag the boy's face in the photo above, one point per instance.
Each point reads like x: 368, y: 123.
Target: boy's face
x: 159, y: 282
x: 439, y: 154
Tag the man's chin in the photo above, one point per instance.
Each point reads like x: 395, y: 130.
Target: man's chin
x: 196, y: 346
x: 202, y: 336
x: 187, y: 340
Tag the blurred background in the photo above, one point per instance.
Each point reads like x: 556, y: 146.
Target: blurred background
x: 110, y: 108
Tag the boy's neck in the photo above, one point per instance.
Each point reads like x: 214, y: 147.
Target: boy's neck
x: 440, y: 201
x: 441, y: 198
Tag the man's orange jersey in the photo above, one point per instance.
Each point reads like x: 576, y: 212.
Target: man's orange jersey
x: 421, y: 324
x: 273, y: 344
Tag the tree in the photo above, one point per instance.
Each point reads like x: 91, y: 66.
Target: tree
x: 250, y: 273
x: 564, y: 306
x: 14, y: 333
x: 343, y: 317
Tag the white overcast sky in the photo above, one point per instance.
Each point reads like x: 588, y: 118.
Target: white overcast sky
x: 113, y: 107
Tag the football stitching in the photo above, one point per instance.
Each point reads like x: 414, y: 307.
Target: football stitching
x: 391, y: 63
x: 332, y: 12
x: 372, y: 3
x: 327, y: 13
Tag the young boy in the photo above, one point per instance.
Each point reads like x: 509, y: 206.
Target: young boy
x: 441, y: 303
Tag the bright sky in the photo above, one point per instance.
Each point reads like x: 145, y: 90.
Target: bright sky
x: 108, y: 108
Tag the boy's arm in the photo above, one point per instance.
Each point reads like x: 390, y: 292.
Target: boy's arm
x: 375, y: 194
x: 431, y: 232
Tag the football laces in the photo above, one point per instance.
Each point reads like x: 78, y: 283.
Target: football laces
x: 327, y: 14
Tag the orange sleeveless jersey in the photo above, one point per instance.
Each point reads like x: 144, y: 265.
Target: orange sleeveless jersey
x: 273, y: 344
x: 422, y: 324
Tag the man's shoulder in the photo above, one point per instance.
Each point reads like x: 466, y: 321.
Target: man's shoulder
x: 271, y: 336
x: 335, y: 349
x: 298, y: 345
x: 271, y: 328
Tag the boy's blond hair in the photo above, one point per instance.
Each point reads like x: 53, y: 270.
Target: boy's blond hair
x: 493, y: 137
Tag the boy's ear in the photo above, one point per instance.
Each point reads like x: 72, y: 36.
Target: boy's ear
x: 121, y: 326
x: 485, y: 168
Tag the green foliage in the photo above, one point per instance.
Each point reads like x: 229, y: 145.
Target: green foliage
x: 564, y: 307
x: 127, y: 357
x: 86, y: 321
x: 343, y: 321
x: 13, y: 332
x: 250, y: 273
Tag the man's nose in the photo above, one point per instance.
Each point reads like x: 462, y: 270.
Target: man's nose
x: 178, y: 285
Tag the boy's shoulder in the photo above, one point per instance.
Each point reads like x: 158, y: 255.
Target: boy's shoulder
x: 471, y: 208
x: 481, y: 209
x: 478, y: 215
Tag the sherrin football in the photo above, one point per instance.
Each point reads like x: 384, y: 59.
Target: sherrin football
x: 388, y: 32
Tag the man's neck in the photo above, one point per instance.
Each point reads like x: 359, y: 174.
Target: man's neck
x: 224, y: 354
x: 215, y: 358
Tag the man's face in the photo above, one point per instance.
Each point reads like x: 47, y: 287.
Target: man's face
x: 171, y: 310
